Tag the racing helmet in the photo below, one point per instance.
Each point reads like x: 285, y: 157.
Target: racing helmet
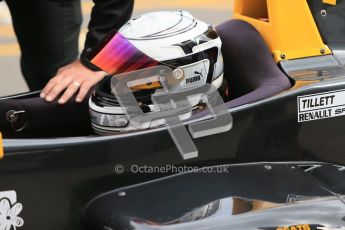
x: 190, y: 48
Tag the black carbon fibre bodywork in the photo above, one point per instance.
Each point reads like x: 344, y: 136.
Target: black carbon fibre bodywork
x: 77, y: 183
x: 61, y: 176
x: 252, y: 196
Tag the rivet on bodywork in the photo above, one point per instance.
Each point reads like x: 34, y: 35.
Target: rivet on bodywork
x: 267, y: 167
x: 323, y: 13
x: 122, y: 194
x: 322, y: 51
x: 283, y: 56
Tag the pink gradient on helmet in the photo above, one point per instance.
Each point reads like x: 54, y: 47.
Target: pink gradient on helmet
x: 119, y: 56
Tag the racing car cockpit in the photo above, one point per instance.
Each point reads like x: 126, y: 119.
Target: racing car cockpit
x: 280, y: 81
x: 250, y: 73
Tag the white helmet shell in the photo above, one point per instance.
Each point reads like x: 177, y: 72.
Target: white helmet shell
x: 160, y: 41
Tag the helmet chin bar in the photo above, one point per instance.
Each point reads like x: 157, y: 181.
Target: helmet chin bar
x: 113, y: 119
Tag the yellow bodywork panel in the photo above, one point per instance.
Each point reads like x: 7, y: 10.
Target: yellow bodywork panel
x: 153, y: 85
x: 300, y: 84
x: 287, y: 26
x: 331, y: 2
x: 1, y: 148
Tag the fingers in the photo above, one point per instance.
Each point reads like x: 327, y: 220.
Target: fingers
x: 71, y: 78
x: 57, y: 79
x: 48, y: 87
x: 55, y: 87
x: 83, y: 91
x: 87, y: 85
x: 70, y: 91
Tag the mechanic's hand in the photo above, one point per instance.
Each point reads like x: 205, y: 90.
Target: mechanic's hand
x: 73, y: 78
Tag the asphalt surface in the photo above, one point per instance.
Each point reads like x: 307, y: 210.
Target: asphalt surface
x: 11, y: 80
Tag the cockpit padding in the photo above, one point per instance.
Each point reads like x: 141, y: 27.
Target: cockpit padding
x: 250, y: 69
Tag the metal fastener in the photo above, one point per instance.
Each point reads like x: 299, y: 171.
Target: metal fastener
x: 178, y: 74
x: 267, y: 167
x: 122, y: 194
x: 323, y: 13
x: 283, y: 56
x: 322, y: 51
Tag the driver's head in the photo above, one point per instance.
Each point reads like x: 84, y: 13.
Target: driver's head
x: 188, y: 47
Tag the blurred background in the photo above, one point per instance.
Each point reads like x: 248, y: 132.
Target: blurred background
x: 11, y: 80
